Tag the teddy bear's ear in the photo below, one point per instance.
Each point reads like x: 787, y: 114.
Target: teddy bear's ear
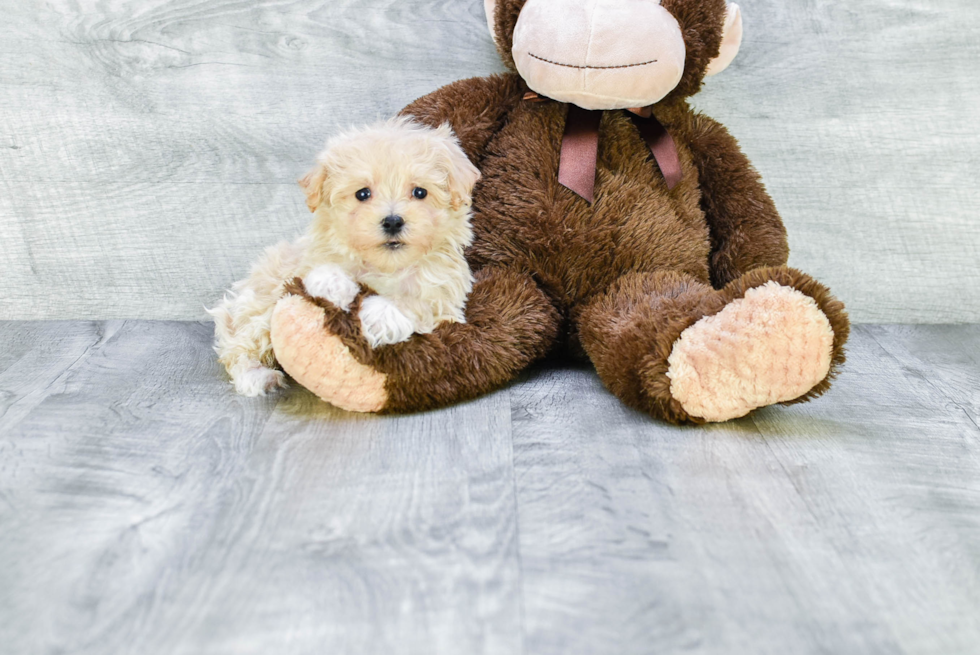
x: 731, y: 41
x: 491, y: 9
x: 312, y: 185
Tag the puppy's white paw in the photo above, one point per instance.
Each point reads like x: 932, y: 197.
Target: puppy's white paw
x: 383, y: 323
x: 330, y: 282
x: 258, y: 381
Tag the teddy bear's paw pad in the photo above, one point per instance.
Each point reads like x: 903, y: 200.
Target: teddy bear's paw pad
x: 771, y: 346
x: 320, y: 361
x: 258, y: 381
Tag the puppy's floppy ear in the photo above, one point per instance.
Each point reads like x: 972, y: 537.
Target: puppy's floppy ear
x: 462, y: 174
x: 312, y: 185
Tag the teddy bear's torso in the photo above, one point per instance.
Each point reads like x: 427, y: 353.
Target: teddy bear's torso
x: 524, y: 217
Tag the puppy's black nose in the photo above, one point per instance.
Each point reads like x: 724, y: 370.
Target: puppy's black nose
x: 392, y: 225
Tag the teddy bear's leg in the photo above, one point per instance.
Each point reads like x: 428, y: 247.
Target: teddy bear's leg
x: 510, y: 323
x: 673, y: 346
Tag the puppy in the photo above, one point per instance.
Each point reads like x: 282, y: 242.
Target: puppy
x: 391, y: 205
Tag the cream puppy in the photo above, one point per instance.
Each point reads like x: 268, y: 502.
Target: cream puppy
x: 391, y: 205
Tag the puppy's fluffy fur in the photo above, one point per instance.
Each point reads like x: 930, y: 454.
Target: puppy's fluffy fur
x: 418, y: 272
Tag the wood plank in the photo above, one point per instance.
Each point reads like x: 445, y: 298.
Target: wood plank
x: 121, y: 468
x: 34, y: 357
x: 364, y: 535
x: 889, y: 475
x: 945, y: 356
x: 147, y: 508
x: 848, y: 525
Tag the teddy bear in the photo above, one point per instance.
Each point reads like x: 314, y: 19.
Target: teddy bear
x: 612, y: 221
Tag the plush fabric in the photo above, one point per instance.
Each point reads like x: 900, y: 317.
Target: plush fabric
x: 731, y: 42
x: 612, y: 54
x: 323, y: 364
x: 619, y: 280
x: 771, y: 346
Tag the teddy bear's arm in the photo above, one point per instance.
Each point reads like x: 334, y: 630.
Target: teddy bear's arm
x: 474, y: 108
x: 746, y: 230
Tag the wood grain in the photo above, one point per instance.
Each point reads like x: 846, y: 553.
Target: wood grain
x: 148, y: 150
x: 365, y: 535
x: 147, y: 508
x: 113, y: 471
x: 848, y: 525
x: 855, y: 115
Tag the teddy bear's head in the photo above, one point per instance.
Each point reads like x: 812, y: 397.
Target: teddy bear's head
x: 615, y: 54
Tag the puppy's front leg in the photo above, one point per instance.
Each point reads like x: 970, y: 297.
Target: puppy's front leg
x: 332, y: 283
x: 383, y: 323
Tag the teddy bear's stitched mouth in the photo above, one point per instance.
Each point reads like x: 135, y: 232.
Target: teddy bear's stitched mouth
x: 558, y: 63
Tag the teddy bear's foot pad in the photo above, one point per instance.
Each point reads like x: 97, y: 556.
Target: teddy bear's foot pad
x: 320, y: 361
x: 773, y: 345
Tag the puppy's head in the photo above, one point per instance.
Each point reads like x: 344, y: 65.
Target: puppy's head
x: 394, y: 192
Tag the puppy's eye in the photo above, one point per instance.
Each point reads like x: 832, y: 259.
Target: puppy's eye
x: 420, y: 193
x: 363, y: 195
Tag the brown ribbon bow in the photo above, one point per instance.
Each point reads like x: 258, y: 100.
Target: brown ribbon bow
x: 580, y: 147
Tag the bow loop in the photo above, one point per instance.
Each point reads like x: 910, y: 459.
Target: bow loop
x: 580, y: 147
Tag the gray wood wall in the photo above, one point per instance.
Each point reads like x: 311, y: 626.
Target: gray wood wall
x: 148, y: 149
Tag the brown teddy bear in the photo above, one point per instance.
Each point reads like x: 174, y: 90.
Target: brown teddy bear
x: 612, y: 219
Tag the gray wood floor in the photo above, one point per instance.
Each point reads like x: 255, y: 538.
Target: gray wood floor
x: 144, y: 508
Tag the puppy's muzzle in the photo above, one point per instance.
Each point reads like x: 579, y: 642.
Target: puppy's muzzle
x: 393, y: 225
